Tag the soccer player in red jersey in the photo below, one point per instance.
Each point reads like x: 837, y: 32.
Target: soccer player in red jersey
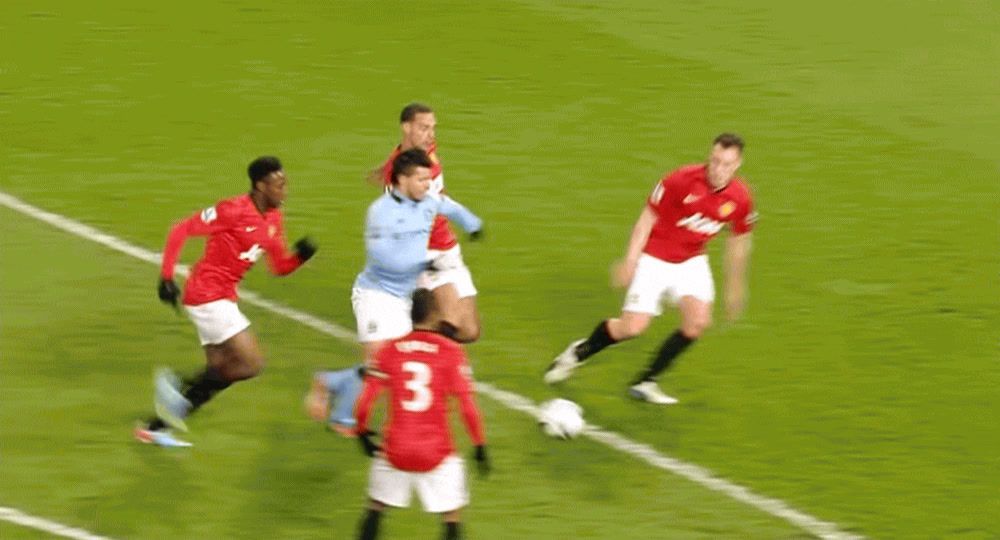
x: 666, y: 260
x: 420, y: 371
x: 448, y: 276
x: 239, y: 231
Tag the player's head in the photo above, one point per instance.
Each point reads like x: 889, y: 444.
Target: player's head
x: 424, y: 312
x: 417, y: 122
x: 268, y: 179
x: 725, y: 159
x: 411, y: 173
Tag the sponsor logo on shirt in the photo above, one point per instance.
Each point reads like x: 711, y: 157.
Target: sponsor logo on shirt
x: 700, y: 224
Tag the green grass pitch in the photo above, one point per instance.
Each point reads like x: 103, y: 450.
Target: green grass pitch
x: 861, y: 388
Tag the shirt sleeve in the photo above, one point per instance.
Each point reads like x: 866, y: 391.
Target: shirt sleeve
x: 375, y: 382
x: 664, y: 193
x: 209, y: 221
x: 744, y: 218
x: 454, y: 211
x: 462, y: 387
x: 280, y: 261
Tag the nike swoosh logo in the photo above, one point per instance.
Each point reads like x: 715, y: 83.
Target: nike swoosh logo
x: 690, y: 198
x: 251, y: 229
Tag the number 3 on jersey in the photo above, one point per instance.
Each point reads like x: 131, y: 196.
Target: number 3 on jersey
x: 422, y: 396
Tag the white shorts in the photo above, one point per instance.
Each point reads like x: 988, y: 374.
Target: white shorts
x: 441, y: 489
x: 380, y: 315
x: 217, y: 321
x: 450, y: 268
x: 656, y: 281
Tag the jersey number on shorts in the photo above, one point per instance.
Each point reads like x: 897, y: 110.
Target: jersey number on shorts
x: 422, y: 396
x: 252, y: 254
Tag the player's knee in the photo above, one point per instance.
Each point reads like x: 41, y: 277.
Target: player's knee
x: 697, y: 325
x: 634, y: 326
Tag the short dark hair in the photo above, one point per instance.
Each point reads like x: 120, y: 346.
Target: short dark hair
x: 729, y: 140
x: 261, y: 167
x: 424, y: 305
x: 406, y: 161
x: 412, y: 110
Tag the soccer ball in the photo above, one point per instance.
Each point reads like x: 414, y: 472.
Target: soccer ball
x: 561, y: 418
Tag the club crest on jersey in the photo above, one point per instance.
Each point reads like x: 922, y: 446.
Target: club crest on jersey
x: 433, y: 157
x: 727, y: 208
x: 271, y: 230
x: 700, y: 224
x: 209, y: 214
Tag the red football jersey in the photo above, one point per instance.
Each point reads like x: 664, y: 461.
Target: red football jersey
x: 689, y: 213
x: 420, y: 370
x: 238, y: 234
x: 442, y: 237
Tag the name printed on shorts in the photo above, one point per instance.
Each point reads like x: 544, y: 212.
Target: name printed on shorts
x: 416, y: 346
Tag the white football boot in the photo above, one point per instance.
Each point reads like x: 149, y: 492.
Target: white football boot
x: 160, y: 437
x: 564, y: 364
x: 170, y: 405
x: 650, y: 392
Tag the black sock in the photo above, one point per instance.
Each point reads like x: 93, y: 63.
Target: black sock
x: 203, y: 387
x: 451, y: 531
x: 156, y: 424
x: 599, y: 339
x: 369, y: 525
x: 671, y: 348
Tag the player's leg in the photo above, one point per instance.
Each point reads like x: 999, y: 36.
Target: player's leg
x: 642, y: 304
x: 452, y: 524
x: 368, y: 529
x: 461, y: 313
x: 454, y: 292
x: 696, y: 291
x: 340, y: 387
x: 231, y: 353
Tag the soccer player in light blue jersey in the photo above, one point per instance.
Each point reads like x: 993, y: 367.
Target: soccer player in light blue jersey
x: 397, y: 228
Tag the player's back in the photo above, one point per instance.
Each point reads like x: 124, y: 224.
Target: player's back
x: 422, y: 369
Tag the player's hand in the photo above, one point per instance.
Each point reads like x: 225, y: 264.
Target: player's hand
x: 305, y: 248
x: 168, y: 292
x: 735, y: 306
x: 482, y: 461
x: 622, y: 273
x: 476, y: 236
x: 368, y: 446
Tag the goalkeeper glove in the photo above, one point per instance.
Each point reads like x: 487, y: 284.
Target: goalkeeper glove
x: 305, y: 249
x: 168, y: 292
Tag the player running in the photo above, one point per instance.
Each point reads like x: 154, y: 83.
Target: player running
x: 448, y: 275
x: 666, y: 260
x: 396, y: 233
x: 239, y: 231
x: 420, y: 371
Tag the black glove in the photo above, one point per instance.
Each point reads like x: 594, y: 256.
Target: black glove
x: 482, y: 461
x: 368, y: 446
x: 476, y: 236
x: 168, y: 292
x: 305, y: 248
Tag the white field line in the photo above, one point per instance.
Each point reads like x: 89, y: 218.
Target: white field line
x: 51, y: 527
x: 694, y: 473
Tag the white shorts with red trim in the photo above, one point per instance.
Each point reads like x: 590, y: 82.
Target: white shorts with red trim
x: 217, y: 321
x: 441, y: 489
x: 657, y: 281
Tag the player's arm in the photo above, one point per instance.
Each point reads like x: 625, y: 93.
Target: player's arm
x: 281, y: 261
x: 373, y: 386
x: 462, y: 387
x: 209, y: 221
x: 737, y: 259
x: 454, y: 211
x: 636, y: 243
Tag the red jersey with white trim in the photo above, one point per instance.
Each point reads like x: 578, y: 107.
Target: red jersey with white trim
x: 238, y: 234
x: 420, y: 371
x: 442, y: 237
x: 689, y: 213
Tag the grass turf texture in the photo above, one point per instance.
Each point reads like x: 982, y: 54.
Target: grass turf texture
x: 861, y: 387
